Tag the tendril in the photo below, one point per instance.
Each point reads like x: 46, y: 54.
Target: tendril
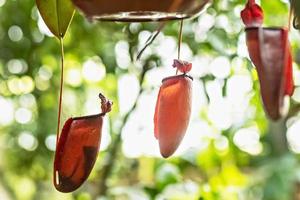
x: 106, y: 104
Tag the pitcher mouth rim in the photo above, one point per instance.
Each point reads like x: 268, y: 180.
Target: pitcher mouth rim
x: 88, y: 116
x: 275, y: 28
x: 178, y: 76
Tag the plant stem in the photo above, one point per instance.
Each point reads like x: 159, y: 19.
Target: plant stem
x: 291, y: 10
x: 179, y: 42
x: 277, y: 134
x: 150, y: 40
x: 180, y: 39
x: 60, y: 89
x: 251, y: 2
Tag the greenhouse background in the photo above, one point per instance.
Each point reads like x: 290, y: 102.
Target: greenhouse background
x: 230, y: 151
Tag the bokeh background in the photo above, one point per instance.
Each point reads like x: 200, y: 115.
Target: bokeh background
x: 230, y: 152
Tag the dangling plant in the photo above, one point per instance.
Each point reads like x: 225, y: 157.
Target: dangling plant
x: 173, y: 106
x: 270, y: 52
x: 57, y: 15
x: 78, y: 145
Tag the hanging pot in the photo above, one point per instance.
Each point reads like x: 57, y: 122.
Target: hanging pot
x: 77, y: 149
x: 140, y: 10
x: 269, y: 50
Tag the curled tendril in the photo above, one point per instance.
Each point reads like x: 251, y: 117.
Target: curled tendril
x: 150, y: 40
x: 182, y: 66
x: 295, y: 8
x: 296, y: 22
x: 105, y: 104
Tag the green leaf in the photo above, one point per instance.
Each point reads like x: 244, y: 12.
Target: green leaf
x: 57, y: 15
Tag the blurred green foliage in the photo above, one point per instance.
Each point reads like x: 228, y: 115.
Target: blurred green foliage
x: 29, y: 82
